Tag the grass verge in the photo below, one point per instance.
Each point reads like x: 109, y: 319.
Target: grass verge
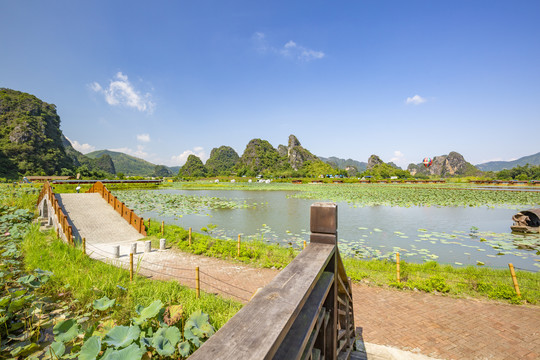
x: 88, y: 280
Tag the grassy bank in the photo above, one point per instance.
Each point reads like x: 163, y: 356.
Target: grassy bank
x: 470, y: 281
x: 87, y: 280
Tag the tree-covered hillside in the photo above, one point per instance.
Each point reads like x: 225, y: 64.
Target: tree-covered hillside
x: 126, y: 164
x: 30, y: 136
x: 500, y: 165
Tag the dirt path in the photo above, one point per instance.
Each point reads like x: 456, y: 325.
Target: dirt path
x: 432, y: 325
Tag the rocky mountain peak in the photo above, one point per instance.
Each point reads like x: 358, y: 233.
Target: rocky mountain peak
x: 373, y: 161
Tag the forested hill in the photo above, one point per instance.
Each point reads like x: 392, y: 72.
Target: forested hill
x: 500, y: 165
x: 30, y: 136
x: 126, y: 164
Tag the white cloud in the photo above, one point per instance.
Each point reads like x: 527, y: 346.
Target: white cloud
x: 182, y: 158
x: 415, y: 100
x: 143, y: 138
x: 290, y: 50
x: 399, y: 158
x: 84, y: 148
x: 140, y: 152
x: 122, y: 92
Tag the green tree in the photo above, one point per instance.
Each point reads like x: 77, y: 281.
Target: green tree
x: 193, y: 167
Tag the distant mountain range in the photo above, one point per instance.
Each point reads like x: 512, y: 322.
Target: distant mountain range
x: 343, y: 164
x: 501, y: 165
x: 31, y: 142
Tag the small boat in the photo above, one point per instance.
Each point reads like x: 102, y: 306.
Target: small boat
x: 527, y: 221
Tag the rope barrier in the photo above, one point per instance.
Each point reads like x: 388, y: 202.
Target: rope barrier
x: 234, y: 286
x: 224, y: 291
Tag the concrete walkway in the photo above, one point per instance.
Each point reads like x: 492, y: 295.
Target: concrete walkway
x: 94, y: 219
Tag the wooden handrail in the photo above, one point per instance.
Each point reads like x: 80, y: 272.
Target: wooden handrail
x: 128, y: 214
x: 305, y: 312
x: 61, y: 218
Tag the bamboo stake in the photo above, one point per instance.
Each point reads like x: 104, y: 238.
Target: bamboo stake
x: 397, y: 267
x: 148, y: 223
x: 239, y: 237
x: 84, y: 245
x: 162, y: 228
x: 197, y: 282
x: 130, y: 266
x: 189, y: 237
x: 514, y: 279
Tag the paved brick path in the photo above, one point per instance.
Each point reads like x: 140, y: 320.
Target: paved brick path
x: 432, y: 325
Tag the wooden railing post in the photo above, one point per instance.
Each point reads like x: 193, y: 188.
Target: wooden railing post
x: 323, y: 226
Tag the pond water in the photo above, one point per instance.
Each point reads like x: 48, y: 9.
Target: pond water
x: 453, y: 235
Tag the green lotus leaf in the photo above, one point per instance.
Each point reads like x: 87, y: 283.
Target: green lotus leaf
x: 171, y: 333
x: 199, y: 324
x: 66, y: 330
x: 122, y: 336
x: 132, y: 352
x: 4, y: 301
x: 103, y: 304
x: 188, y: 334
x: 184, y: 348
x: 163, y: 346
x: 90, y: 349
x: 148, y: 312
x: 57, y: 349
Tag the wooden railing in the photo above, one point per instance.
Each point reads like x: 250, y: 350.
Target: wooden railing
x: 306, y: 312
x: 128, y: 214
x: 63, y: 220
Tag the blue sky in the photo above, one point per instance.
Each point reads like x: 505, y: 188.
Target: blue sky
x: 400, y: 79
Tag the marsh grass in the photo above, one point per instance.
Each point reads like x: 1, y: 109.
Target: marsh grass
x: 87, y: 280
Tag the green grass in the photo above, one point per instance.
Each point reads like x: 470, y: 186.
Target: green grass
x: 470, y: 281
x: 88, y: 280
x: 255, y: 253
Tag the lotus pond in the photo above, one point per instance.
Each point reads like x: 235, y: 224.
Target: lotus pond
x: 471, y: 234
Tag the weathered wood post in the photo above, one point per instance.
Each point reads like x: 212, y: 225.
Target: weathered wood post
x: 323, y: 227
x: 514, y: 279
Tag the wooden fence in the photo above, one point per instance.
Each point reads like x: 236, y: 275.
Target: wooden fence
x: 63, y: 220
x: 306, y: 312
x: 128, y: 214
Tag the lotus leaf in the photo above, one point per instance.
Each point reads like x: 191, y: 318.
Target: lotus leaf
x: 163, y: 346
x: 90, y: 349
x: 171, y: 333
x: 103, y: 304
x: 188, y: 334
x: 25, y: 350
x: 184, y: 348
x: 66, y: 330
x: 148, y: 312
x: 132, y: 352
x: 122, y: 336
x: 57, y: 349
